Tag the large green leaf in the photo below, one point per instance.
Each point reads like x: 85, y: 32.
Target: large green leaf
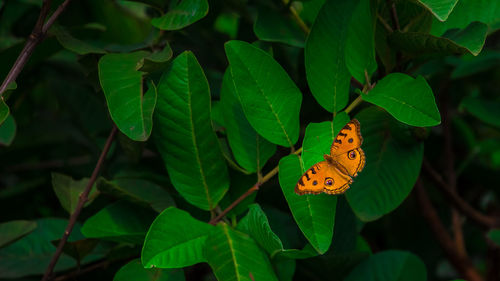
x: 7, y: 130
x: 314, y: 214
x: 13, y: 230
x: 467, y: 11
x: 326, y: 70
x: 494, y: 235
x: 390, y: 266
x: 235, y: 256
x: 73, y: 44
x: 250, y: 150
x: 68, y: 191
x: 319, y: 138
x: 138, y: 190
x: 122, y: 83
x: 120, y: 221
x: 31, y: 254
x: 409, y: 100
x: 275, y: 27
x: 4, y: 110
x: 360, y: 44
x: 183, y: 14
x: 270, y: 99
x: 256, y: 224
x: 185, y: 137
x: 175, y: 240
x: 134, y: 271
x: 484, y: 110
x: 393, y: 160
x: 441, y: 9
x: 469, y: 65
x: 455, y: 41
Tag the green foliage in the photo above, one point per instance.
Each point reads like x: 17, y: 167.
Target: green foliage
x: 235, y: 123
x: 326, y: 69
x: 175, y: 239
x: 14, y: 230
x: 409, y: 100
x: 390, y: 265
x: 271, y: 103
x: 235, y: 256
x: 185, y: 136
x: 183, y: 14
x: 135, y: 271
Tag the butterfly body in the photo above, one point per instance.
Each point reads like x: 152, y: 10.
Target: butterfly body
x: 334, y: 174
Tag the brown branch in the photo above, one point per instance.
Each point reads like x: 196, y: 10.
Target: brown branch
x: 73, y: 274
x: 394, y: 15
x: 479, y: 218
x: 36, y: 36
x: 81, y: 201
x: 461, y: 263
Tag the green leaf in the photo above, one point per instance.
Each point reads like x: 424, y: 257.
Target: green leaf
x: 360, y: 44
x: 319, y: 138
x: 273, y: 26
x: 138, y: 191
x: 314, y: 214
x: 235, y: 256
x: 441, y: 9
x: 135, y: 271
x: 185, y: 137
x: 326, y: 70
x: 467, y: 11
x: 121, y: 222
x: 31, y: 254
x: 250, y: 150
x: 455, y: 41
x: 7, y: 130
x: 227, y: 23
x: 122, y: 83
x: 73, y: 44
x: 68, y: 191
x: 185, y: 13
x: 409, y: 100
x: 256, y: 224
x: 157, y: 60
x: 469, y: 65
x: 393, y: 161
x: 175, y: 240
x: 390, y: 266
x: 270, y: 99
x: 13, y: 230
x: 4, y: 110
x: 494, y: 235
x: 484, y: 110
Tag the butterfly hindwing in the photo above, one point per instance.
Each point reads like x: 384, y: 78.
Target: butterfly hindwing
x: 322, y: 177
x: 346, y: 149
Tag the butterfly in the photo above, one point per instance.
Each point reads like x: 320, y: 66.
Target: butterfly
x: 335, y: 173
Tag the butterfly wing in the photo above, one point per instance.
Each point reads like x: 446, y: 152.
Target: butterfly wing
x: 322, y: 177
x: 346, y: 149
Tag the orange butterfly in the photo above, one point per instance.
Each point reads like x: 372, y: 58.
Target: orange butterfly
x: 334, y: 175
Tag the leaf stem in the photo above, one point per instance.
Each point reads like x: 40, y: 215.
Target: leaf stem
x: 251, y: 190
x: 353, y: 104
x: 81, y: 201
x: 297, y: 18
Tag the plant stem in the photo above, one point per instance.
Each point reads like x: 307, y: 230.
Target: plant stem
x: 353, y: 105
x: 36, y: 36
x: 247, y: 193
x: 299, y: 20
x: 462, y: 263
x: 81, y: 201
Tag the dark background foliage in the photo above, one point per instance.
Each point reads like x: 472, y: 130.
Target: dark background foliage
x: 165, y: 73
